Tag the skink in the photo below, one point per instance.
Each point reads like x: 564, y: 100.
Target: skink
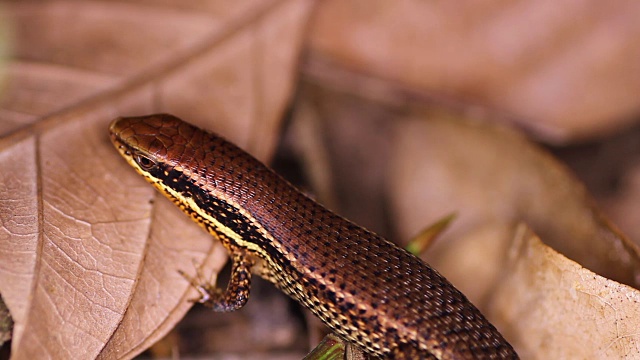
x: 366, y: 289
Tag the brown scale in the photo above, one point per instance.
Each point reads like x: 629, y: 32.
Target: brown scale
x: 368, y: 290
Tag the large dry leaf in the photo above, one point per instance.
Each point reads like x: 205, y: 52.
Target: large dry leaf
x: 590, y: 316
x: 88, y: 252
x: 494, y: 175
x: 565, y: 69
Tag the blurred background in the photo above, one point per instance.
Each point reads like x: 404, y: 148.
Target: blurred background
x: 393, y: 114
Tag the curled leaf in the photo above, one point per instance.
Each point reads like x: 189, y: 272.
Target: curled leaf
x: 492, y: 175
x: 545, y: 300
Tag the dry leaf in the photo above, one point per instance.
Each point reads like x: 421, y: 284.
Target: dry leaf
x: 546, y: 299
x: 566, y: 70
x: 89, y: 253
x: 493, y: 175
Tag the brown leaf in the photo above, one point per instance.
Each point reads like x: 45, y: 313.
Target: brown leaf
x: 492, y: 175
x: 88, y: 252
x: 546, y: 299
x: 566, y: 70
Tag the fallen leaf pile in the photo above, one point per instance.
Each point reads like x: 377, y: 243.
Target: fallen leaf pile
x: 398, y: 113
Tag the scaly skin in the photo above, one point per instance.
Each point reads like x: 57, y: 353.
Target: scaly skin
x: 368, y: 290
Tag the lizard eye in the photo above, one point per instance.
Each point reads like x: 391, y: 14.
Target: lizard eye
x: 145, y: 162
